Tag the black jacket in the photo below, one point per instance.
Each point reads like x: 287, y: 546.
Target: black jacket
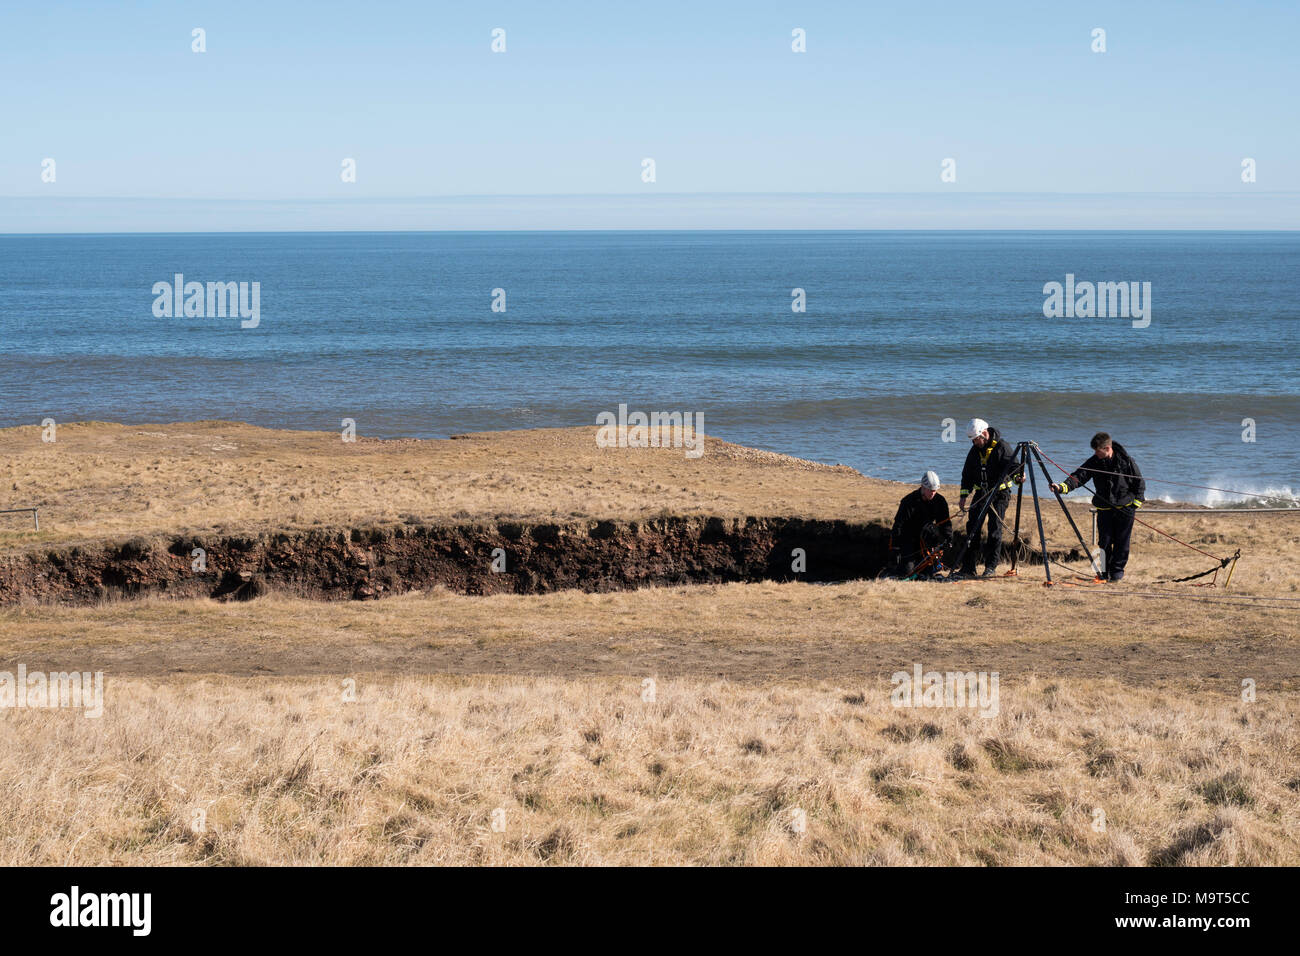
x: 914, y: 513
x: 981, y: 473
x: 1112, y: 490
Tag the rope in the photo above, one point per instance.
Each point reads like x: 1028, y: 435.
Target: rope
x: 1184, y: 484
x: 1183, y: 595
x: 1026, y: 550
x: 1223, y: 561
x: 1013, y: 468
x: 934, y: 555
x: 1232, y: 597
x: 1183, y: 543
x: 923, y: 549
x: 1215, y: 570
x: 1094, y: 584
x: 1089, y: 578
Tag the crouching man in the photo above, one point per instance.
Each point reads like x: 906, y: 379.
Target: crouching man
x: 920, y: 527
x: 1119, y: 491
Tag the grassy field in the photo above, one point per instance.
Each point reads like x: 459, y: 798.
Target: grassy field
x: 741, y: 632
x: 101, y: 480
x: 226, y: 771
x: 772, y: 701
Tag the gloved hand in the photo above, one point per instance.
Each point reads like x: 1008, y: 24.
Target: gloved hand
x: 1137, y: 503
x: 1062, y: 487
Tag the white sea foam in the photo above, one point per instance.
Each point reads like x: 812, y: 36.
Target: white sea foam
x: 1255, y: 495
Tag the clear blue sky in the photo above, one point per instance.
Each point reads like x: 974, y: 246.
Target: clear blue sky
x: 711, y: 91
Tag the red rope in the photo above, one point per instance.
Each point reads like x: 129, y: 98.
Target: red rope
x: 1184, y: 484
x: 1135, y: 517
x: 1172, y: 538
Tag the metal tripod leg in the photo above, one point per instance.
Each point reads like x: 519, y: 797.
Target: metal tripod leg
x: 1020, y: 496
x: 1042, y: 537
x: 1068, y: 517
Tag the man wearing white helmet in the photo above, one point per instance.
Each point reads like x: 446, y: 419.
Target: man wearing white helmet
x: 988, y: 476
x: 920, y: 526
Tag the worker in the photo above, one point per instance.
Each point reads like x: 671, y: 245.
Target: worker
x: 990, y: 472
x: 1119, y: 491
x: 921, y: 525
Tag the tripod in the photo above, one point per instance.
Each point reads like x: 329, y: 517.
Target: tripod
x: 1026, y: 455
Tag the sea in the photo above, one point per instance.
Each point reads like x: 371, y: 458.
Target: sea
x: 871, y: 349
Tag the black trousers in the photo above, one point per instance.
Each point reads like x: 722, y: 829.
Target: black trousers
x: 1114, y: 530
x: 995, y: 520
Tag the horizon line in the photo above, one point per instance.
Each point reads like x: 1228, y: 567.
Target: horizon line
x: 1242, y: 210
x: 665, y: 229
x: 650, y: 194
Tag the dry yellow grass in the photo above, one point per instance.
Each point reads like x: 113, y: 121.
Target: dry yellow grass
x: 771, y: 697
x: 103, y: 480
x: 743, y: 632
x: 587, y: 772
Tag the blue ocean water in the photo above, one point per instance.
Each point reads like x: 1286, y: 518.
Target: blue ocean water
x: 902, y: 331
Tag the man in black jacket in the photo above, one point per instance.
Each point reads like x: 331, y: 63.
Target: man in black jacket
x: 990, y: 472
x: 920, y: 526
x: 1119, y: 492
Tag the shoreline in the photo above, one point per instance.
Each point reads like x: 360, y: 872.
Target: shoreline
x: 232, y: 511
x: 1260, y: 501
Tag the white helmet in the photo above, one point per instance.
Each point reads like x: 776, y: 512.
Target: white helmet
x: 976, y: 426
x: 930, y: 480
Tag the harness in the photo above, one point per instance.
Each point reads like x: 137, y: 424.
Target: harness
x: 984, y: 472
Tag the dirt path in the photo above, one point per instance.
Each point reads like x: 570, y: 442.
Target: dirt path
x: 1219, y: 666
x: 748, y: 633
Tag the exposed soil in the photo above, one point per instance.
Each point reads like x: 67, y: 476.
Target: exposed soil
x: 469, y: 559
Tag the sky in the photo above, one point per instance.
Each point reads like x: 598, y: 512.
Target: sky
x: 263, y: 120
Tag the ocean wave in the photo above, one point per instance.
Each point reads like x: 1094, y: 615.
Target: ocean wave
x: 1247, y: 495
